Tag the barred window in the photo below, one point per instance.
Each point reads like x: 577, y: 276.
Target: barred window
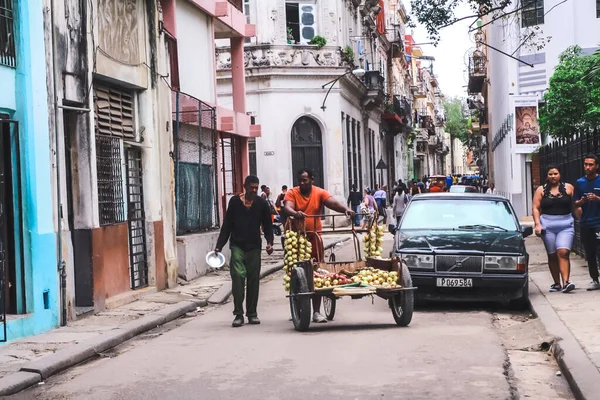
x: 111, y: 201
x: 7, y: 34
x: 532, y: 13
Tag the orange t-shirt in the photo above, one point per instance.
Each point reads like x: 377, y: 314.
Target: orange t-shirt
x: 435, y: 189
x: 311, y: 205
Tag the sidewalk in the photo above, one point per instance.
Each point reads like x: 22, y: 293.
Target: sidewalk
x: 573, y: 319
x: 27, y: 361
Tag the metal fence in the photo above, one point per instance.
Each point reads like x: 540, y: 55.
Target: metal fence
x: 567, y: 156
x: 195, y: 158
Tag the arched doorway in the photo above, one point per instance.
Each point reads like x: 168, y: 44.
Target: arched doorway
x: 307, y: 148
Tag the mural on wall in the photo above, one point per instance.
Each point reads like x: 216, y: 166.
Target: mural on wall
x: 118, y: 35
x: 527, y: 131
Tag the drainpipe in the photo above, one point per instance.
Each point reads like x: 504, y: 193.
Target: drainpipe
x: 60, y: 262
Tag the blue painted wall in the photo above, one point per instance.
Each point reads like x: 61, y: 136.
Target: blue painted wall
x: 24, y: 94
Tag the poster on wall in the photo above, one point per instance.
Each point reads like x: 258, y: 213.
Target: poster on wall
x: 526, y: 124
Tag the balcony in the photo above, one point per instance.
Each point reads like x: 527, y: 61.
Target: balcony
x: 397, y: 115
x: 396, y: 38
x: 477, y: 71
x: 375, y: 84
x: 267, y: 56
x: 420, y: 90
x: 427, y: 124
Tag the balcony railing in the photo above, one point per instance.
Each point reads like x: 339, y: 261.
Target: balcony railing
x: 477, y: 64
x: 373, y: 80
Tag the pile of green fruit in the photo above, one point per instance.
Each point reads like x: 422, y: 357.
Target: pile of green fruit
x: 373, y: 241
x: 376, y: 277
x: 297, y: 248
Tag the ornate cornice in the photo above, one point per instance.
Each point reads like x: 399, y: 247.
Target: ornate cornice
x: 267, y: 55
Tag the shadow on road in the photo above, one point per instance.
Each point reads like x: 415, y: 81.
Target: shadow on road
x: 461, y: 307
x: 340, y: 327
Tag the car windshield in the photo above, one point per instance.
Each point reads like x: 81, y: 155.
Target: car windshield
x: 460, y: 214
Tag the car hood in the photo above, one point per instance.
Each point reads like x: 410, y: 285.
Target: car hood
x: 450, y: 241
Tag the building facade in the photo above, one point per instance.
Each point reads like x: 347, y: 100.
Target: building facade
x: 314, y: 112
x: 211, y: 141
x: 29, y: 287
x: 553, y: 26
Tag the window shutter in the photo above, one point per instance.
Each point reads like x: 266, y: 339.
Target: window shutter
x: 113, y: 112
x: 307, y: 22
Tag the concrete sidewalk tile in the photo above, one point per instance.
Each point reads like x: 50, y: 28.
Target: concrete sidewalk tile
x: 63, y: 359
x: 18, y: 381
x: 579, y: 370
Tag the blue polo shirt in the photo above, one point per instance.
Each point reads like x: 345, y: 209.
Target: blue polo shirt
x: 448, y: 181
x: 590, y: 217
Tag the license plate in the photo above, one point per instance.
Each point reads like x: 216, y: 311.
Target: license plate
x: 454, y: 282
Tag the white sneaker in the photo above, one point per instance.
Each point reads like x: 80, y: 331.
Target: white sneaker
x: 594, y: 285
x: 319, y: 318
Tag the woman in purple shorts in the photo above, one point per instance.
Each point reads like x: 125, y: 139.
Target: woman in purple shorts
x: 553, y: 215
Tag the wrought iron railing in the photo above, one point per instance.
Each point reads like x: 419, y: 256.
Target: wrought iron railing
x: 477, y: 64
x: 195, y: 158
x: 8, y: 55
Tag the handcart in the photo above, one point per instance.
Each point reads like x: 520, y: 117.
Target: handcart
x: 302, y: 284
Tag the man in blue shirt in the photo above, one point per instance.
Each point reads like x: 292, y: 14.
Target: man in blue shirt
x: 587, y: 196
x: 449, y: 180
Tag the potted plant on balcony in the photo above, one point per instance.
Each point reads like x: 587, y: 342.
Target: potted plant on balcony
x: 318, y: 41
x: 348, y: 55
x: 290, y: 36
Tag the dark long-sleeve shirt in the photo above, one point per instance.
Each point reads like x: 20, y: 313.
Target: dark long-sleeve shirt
x: 242, y: 224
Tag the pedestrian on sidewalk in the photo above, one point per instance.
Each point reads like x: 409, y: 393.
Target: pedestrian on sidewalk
x: 586, y: 197
x: 354, y: 200
x: 399, y: 205
x: 244, y: 217
x: 380, y: 197
x: 307, y: 200
x: 553, y: 216
x: 367, y: 208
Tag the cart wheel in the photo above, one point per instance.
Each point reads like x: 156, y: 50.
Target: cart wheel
x: 329, y: 306
x: 403, y: 304
x: 299, y: 306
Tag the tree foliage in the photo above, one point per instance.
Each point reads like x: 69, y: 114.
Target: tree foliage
x: 572, y: 103
x: 457, y: 122
x: 437, y: 14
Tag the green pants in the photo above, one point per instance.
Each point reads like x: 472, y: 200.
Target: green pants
x: 245, y: 266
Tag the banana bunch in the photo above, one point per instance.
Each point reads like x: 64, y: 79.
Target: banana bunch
x: 297, y: 248
x: 373, y: 241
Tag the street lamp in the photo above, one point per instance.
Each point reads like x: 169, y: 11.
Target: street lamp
x: 358, y: 72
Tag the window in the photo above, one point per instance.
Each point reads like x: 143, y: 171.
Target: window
x: 113, y: 117
x: 452, y: 214
x: 300, y: 22
x: 173, y: 59
x: 252, y: 155
x: 247, y: 14
x: 7, y: 34
x: 532, y: 13
x: 597, y: 8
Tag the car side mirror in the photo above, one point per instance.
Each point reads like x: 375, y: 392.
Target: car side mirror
x: 392, y: 229
x: 526, y: 231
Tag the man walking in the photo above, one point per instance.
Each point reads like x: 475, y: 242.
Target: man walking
x: 586, y: 196
x: 243, y: 219
x: 354, y: 200
x: 381, y: 200
x: 306, y: 200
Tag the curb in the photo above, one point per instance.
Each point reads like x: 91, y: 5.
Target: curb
x: 224, y: 292
x: 583, y: 376
x: 45, y: 367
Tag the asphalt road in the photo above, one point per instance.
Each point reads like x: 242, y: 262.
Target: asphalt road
x: 448, y: 352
